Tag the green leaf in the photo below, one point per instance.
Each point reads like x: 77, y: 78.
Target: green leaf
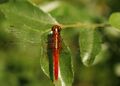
x: 24, y: 24
x: 66, y: 66
x: 90, y: 45
x: 114, y: 20
x: 20, y: 12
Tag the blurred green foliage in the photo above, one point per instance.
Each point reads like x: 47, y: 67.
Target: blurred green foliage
x: 23, y: 29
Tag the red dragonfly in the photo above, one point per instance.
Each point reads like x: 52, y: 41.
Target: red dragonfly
x: 56, y: 47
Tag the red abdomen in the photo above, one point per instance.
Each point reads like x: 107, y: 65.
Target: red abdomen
x: 56, y: 45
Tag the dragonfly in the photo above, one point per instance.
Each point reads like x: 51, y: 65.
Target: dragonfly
x: 56, y: 47
x: 55, y: 55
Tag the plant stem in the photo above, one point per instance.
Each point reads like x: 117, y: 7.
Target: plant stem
x: 84, y: 25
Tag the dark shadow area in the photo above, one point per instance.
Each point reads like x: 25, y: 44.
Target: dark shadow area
x: 23, y: 81
x: 49, y: 53
x: 3, y: 1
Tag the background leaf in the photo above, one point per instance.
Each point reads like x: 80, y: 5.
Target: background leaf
x: 115, y: 19
x: 90, y: 45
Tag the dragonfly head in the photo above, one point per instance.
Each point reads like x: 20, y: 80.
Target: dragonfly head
x: 56, y: 28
